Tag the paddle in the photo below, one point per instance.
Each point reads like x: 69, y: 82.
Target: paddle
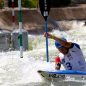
x: 45, y: 8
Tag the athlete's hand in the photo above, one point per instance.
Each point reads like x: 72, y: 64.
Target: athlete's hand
x: 48, y: 35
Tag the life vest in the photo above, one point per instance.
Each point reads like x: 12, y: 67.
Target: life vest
x: 74, y: 59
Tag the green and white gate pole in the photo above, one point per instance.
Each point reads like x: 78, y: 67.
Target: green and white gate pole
x: 20, y: 28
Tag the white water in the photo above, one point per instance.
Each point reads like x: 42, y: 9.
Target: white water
x: 16, y: 71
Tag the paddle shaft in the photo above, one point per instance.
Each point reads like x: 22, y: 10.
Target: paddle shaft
x: 46, y: 30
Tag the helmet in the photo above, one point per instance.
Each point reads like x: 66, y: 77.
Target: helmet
x: 57, y: 59
x: 58, y: 45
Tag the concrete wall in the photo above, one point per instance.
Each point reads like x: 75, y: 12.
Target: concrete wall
x: 32, y: 19
x: 79, y: 1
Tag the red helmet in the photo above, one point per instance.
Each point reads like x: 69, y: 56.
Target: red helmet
x: 57, y: 59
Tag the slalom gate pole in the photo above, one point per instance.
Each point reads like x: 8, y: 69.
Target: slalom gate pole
x: 20, y: 28
x: 13, y: 14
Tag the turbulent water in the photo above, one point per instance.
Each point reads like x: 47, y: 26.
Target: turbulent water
x: 16, y: 71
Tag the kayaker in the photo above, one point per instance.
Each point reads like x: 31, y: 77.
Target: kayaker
x: 73, y: 58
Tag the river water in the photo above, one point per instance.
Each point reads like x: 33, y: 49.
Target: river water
x: 16, y: 71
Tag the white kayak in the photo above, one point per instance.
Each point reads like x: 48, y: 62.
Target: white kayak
x: 62, y: 74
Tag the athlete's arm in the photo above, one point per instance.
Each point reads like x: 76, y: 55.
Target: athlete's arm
x: 62, y: 42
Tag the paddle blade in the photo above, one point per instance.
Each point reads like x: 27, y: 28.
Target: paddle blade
x: 45, y: 8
